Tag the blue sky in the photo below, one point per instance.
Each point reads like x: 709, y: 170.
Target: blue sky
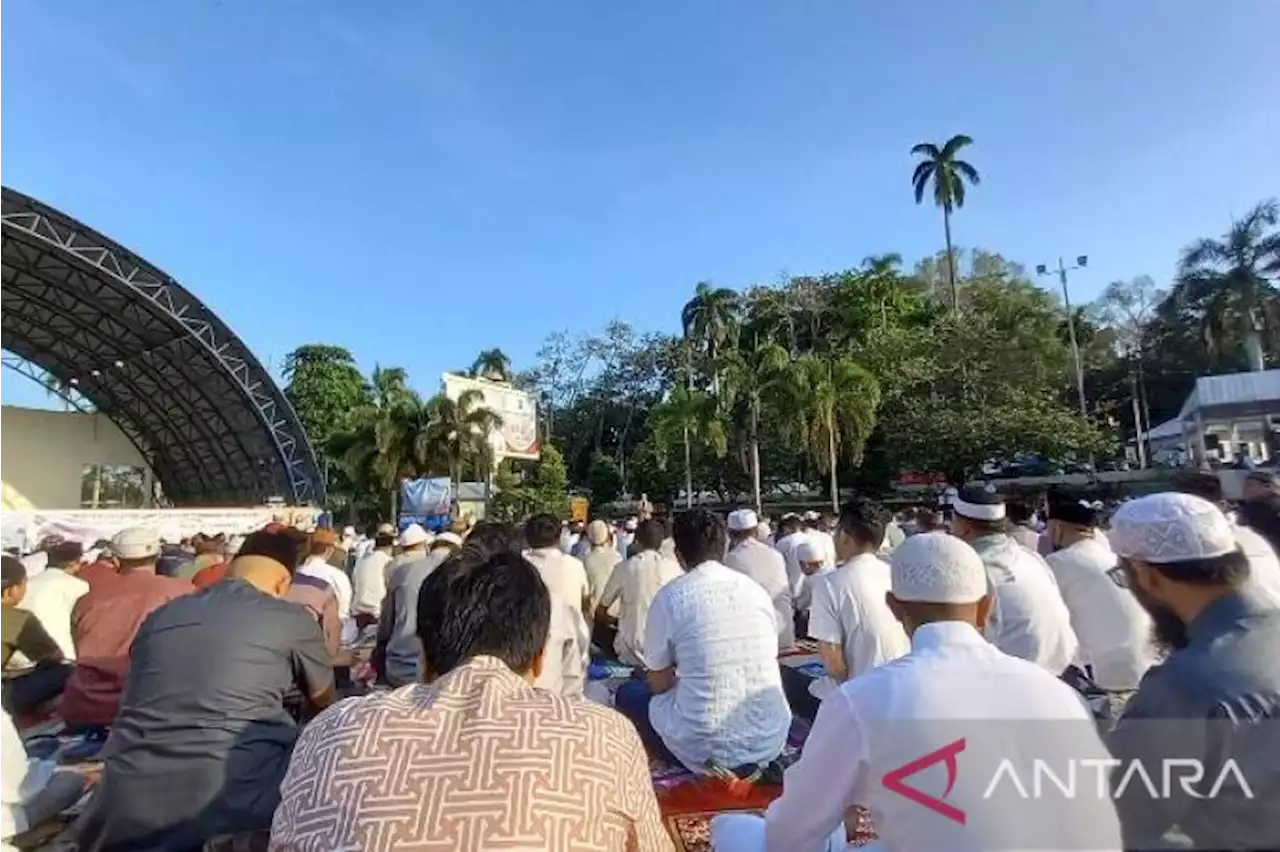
x: 418, y: 181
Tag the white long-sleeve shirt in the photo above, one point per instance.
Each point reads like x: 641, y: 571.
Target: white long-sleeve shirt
x: 1113, y: 628
x: 953, y: 691
x: 1028, y: 616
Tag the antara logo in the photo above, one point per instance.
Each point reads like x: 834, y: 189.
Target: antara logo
x: 947, y: 754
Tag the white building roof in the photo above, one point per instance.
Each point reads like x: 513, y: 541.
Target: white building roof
x: 1231, y: 389
x: 1167, y: 429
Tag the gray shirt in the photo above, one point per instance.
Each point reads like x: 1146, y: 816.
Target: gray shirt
x: 398, y: 624
x: 202, y: 739
x: 1215, y: 700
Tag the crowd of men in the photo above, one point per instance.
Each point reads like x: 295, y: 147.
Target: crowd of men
x: 1136, y: 636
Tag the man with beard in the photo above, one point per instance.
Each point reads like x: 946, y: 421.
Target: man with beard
x: 1214, y: 703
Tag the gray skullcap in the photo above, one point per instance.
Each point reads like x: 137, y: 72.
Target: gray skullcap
x: 597, y: 532
x: 743, y: 520
x: 1171, y: 527
x: 936, y: 567
x: 136, y: 543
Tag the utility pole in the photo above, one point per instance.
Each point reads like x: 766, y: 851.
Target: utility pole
x: 1081, y: 262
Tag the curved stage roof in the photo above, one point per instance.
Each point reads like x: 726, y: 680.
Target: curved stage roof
x: 148, y: 354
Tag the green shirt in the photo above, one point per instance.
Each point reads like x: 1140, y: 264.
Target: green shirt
x: 24, y: 632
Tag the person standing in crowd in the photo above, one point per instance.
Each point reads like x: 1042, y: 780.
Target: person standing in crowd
x: 319, y: 566
x: 202, y: 739
x: 1216, y: 695
x: 52, y: 596
x: 712, y: 699
x: 561, y: 773
x: 631, y: 589
x: 893, y: 714
x: 626, y: 536
x: 893, y: 536
x: 370, y: 576
x: 565, y: 576
x: 757, y: 560
x: 105, y: 622
x: 1018, y: 523
x: 850, y: 617
x: 1028, y: 616
x: 1264, y: 566
x: 600, y: 560
x: 396, y: 652
x: 1113, y: 630
x: 23, y: 634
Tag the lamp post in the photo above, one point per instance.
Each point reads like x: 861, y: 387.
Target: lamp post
x: 1081, y: 262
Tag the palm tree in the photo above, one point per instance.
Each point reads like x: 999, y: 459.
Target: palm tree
x: 694, y: 417
x: 754, y: 373
x: 833, y: 402
x: 381, y: 449
x: 948, y: 175
x: 710, y: 320
x: 1231, y: 278
x: 457, y: 435
x: 492, y: 364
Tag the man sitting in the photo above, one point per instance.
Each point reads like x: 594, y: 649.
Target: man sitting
x: 105, y: 622
x: 849, y: 616
x: 203, y: 736
x: 397, y: 652
x: 633, y: 586
x: 370, y: 575
x: 713, y: 697
x: 27, y: 689
x: 474, y: 757
x: 52, y: 595
x: 952, y: 684
x: 318, y: 565
x: 564, y: 575
x: 757, y: 560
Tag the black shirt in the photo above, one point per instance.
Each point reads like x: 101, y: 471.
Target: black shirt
x: 202, y: 739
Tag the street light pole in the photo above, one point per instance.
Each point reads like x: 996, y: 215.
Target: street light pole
x: 1062, y: 270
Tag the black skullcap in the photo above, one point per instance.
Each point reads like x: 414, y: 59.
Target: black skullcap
x: 1075, y: 507
x: 979, y: 503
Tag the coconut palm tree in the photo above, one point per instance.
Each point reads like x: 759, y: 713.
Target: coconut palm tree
x: 1232, y: 278
x: 948, y: 174
x: 457, y: 435
x: 710, y: 321
x: 690, y: 417
x: 492, y: 364
x: 381, y: 448
x: 833, y: 403
x: 753, y: 373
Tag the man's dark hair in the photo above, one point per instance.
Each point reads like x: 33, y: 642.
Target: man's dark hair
x: 1262, y: 515
x: 15, y: 573
x: 287, y: 546
x: 649, y: 535
x: 384, y: 540
x: 66, y: 553
x: 865, y: 521
x: 1199, y: 483
x: 700, y: 536
x: 491, y: 538
x: 788, y: 525
x: 483, y: 603
x: 542, y: 531
x: 1230, y: 569
x: 1017, y: 511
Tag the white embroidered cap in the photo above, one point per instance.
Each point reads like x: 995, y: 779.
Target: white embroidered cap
x: 413, y: 534
x: 1171, y: 527
x: 808, y: 551
x: 937, y: 567
x: 743, y: 520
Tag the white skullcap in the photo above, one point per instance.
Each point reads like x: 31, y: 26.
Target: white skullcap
x: 171, y: 534
x: 808, y: 551
x: 136, y: 543
x: 939, y: 568
x: 743, y: 520
x: 631, y: 524
x: 450, y: 538
x: 1171, y: 527
x: 597, y: 532
x: 413, y: 534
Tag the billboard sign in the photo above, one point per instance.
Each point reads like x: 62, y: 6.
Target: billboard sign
x: 428, y: 496
x: 518, y: 437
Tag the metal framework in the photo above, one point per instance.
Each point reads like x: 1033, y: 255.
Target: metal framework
x: 130, y: 340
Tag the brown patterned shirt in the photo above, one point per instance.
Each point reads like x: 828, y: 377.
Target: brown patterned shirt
x: 478, y: 759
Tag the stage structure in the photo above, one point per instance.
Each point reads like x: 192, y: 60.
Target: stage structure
x: 109, y: 329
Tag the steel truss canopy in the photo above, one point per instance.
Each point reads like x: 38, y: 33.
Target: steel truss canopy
x: 142, y: 350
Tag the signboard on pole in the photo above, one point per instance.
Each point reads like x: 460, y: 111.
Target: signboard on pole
x: 518, y: 436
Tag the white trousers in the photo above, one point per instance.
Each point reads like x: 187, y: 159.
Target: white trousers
x: 745, y: 833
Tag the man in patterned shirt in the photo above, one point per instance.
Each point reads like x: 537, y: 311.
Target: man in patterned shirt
x: 475, y: 757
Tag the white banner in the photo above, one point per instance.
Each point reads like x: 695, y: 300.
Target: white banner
x: 24, y: 530
x: 518, y: 437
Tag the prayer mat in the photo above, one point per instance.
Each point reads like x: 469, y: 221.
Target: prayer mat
x: 691, y: 832
x: 668, y: 776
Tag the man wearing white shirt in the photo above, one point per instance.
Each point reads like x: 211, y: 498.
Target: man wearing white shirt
x: 52, y: 594
x: 850, y: 617
x: 766, y: 566
x: 1264, y: 566
x: 322, y: 546
x: 370, y: 575
x: 789, y: 535
x: 952, y: 680
x: 626, y: 536
x: 1113, y: 629
x: 713, y: 697
x: 816, y: 527
x: 565, y: 576
x: 631, y: 589
x: 1028, y: 616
